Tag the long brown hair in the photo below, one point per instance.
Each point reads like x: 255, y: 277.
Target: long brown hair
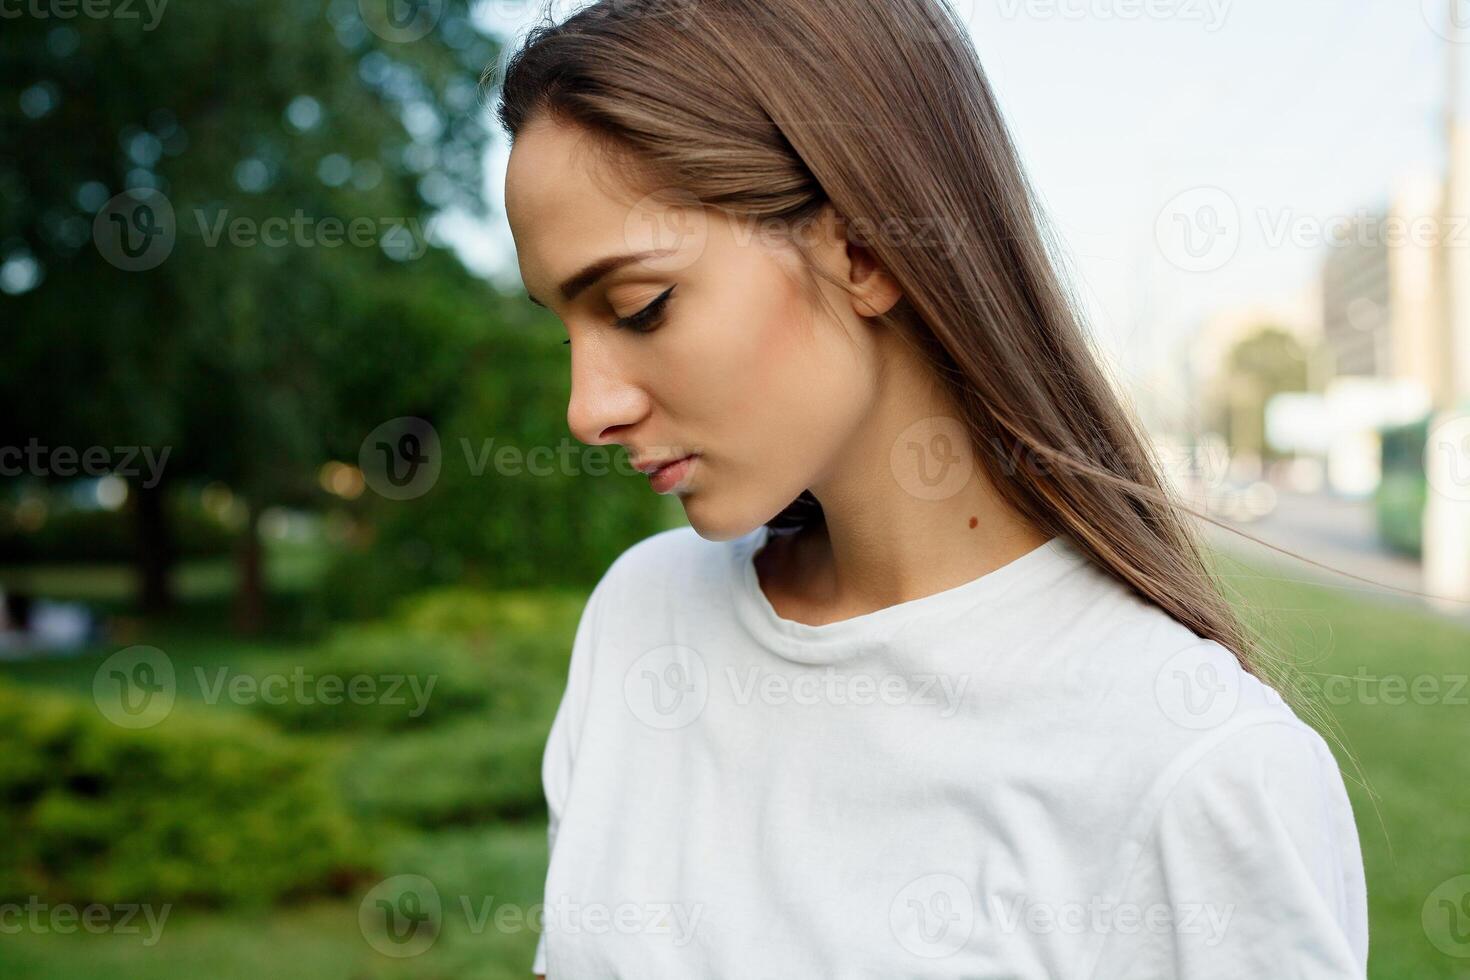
x: 770, y: 109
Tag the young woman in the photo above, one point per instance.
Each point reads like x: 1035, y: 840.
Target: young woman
x: 936, y: 683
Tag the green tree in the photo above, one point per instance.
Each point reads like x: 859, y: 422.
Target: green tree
x: 213, y: 230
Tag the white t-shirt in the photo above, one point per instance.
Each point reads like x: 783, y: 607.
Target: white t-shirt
x: 1034, y: 774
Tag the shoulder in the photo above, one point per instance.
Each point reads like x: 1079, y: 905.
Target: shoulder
x: 1231, y: 781
x: 1234, y: 801
x: 1126, y: 669
x: 1130, y: 665
x: 1262, y: 751
x: 1200, y: 711
x: 1253, y: 820
x: 1248, y: 847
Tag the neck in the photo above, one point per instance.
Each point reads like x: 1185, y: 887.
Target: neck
x: 909, y: 510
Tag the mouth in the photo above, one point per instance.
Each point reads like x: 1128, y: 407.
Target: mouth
x: 672, y: 475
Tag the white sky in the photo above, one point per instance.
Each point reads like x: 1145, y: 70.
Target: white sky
x: 1306, y: 110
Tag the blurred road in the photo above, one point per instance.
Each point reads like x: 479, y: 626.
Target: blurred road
x: 1335, y: 532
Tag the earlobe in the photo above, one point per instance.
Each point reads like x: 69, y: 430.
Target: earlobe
x: 868, y: 311
x: 876, y: 295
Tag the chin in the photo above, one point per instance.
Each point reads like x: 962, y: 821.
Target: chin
x: 714, y: 523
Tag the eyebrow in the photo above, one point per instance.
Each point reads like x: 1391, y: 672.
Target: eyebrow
x: 578, y: 283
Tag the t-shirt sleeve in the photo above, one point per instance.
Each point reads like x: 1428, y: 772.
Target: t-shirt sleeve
x: 566, y: 730
x: 1251, y: 869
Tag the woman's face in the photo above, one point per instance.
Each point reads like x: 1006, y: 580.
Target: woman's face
x: 733, y: 361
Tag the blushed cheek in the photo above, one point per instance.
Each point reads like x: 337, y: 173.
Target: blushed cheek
x: 776, y: 363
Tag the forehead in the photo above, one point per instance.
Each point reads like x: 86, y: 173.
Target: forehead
x: 566, y: 203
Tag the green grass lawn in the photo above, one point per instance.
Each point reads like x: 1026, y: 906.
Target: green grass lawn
x: 1409, y: 785
x: 475, y: 871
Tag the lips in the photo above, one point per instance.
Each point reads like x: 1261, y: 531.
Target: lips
x: 648, y: 466
x: 671, y: 475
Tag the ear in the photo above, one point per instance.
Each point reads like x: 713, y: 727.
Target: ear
x: 873, y: 290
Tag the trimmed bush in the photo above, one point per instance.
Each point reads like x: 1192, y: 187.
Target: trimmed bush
x: 469, y: 772
x: 385, y: 679
x: 485, y: 766
x: 479, y: 615
x: 213, y: 810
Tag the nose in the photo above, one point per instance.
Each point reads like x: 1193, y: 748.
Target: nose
x: 604, y: 403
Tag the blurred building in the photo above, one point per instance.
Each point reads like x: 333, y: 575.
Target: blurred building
x: 1454, y: 385
x: 1447, y: 453
x: 1381, y: 292
x: 1356, y: 300
x: 1390, y: 321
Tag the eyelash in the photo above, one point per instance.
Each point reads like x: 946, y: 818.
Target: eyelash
x: 645, y: 319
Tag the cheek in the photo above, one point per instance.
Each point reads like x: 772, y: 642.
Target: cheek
x: 778, y: 383
x: 753, y: 360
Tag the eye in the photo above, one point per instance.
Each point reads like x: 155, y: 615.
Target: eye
x: 647, y: 318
